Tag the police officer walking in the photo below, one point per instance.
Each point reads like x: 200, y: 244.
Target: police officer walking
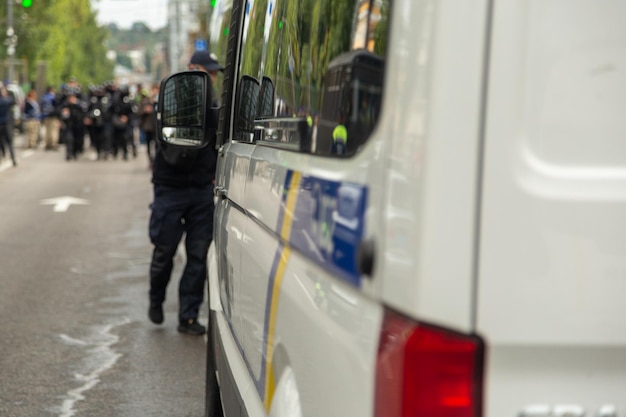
x: 72, y: 118
x: 6, y: 123
x: 183, y: 204
x: 95, y: 121
x: 121, y: 114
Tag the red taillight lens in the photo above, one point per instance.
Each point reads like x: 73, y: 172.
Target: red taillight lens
x: 424, y: 371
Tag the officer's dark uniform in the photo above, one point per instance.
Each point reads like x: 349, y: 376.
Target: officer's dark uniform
x: 183, y: 203
x: 6, y: 124
x: 121, y: 115
x: 96, y: 113
x: 71, y: 114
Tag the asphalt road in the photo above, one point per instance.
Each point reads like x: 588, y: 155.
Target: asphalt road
x: 75, y: 338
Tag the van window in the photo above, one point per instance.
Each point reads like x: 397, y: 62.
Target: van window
x: 318, y: 67
x: 219, y: 29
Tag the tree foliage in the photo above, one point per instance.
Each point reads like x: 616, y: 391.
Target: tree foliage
x: 294, y: 42
x: 305, y: 36
x: 65, y: 36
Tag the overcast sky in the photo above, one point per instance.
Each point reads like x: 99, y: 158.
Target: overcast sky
x: 126, y: 12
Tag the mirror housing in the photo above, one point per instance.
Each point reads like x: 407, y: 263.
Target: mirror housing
x: 182, y: 109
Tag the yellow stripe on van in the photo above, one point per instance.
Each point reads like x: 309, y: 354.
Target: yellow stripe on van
x: 290, y: 205
x: 269, y: 374
x: 285, y: 232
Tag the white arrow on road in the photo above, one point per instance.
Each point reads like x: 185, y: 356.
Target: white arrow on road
x: 61, y: 204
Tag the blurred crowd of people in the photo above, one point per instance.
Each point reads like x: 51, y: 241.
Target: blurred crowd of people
x: 109, y: 118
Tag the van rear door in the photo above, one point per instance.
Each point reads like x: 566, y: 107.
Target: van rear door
x: 552, y: 274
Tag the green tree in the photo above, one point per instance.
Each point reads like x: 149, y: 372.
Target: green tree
x: 217, y: 32
x: 252, y: 60
x: 65, y: 35
x: 380, y: 33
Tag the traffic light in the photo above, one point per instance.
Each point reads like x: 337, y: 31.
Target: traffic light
x: 27, y: 3
x: 213, y: 3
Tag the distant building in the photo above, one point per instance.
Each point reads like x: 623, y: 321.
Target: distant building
x: 126, y: 76
x: 182, y: 22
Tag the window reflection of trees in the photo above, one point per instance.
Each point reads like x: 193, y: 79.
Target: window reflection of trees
x: 303, y: 37
x: 219, y: 31
x: 293, y: 43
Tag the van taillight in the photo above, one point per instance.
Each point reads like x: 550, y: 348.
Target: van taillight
x: 425, y: 371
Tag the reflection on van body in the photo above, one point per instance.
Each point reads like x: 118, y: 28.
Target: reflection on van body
x: 352, y: 98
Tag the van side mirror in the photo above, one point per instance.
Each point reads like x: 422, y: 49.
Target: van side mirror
x: 182, y: 109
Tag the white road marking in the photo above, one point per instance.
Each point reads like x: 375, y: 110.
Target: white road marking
x: 62, y: 204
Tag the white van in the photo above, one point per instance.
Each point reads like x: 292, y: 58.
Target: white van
x: 421, y: 209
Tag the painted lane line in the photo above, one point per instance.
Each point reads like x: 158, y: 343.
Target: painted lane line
x: 62, y: 204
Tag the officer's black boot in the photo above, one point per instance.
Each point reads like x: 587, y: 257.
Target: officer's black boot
x: 160, y: 272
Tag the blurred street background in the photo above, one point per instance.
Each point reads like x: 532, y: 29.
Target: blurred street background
x: 74, y: 258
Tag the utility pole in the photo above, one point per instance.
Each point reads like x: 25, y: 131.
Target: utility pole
x: 11, y: 41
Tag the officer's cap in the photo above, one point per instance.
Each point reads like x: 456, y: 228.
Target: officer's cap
x: 207, y: 60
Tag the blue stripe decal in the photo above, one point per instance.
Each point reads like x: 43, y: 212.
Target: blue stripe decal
x: 328, y: 225
x: 281, y: 212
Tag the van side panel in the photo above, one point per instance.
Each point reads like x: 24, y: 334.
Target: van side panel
x: 432, y: 120
x: 553, y: 237
x: 283, y: 310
